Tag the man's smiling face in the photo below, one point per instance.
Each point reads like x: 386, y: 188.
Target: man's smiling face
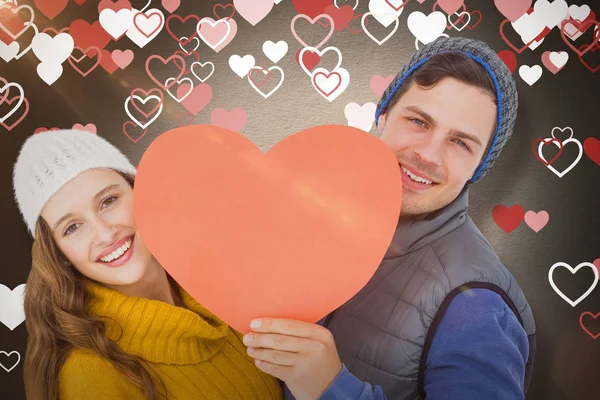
x: 439, y: 135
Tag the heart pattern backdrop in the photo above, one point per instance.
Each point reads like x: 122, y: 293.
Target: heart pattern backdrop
x: 132, y: 69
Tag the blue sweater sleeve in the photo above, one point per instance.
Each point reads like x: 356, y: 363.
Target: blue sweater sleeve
x: 478, y: 352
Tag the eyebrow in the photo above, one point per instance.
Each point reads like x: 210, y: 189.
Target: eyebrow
x: 453, y: 132
x: 96, y: 197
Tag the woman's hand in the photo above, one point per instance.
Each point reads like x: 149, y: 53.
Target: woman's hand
x: 302, y: 355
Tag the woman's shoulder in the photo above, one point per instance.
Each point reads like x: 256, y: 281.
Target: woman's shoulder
x: 86, y: 374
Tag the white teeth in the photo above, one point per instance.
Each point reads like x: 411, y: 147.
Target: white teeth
x: 117, y: 253
x: 415, y: 177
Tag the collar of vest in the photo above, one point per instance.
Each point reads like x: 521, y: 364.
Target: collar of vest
x: 411, y: 235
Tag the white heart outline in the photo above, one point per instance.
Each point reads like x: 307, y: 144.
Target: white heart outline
x: 573, y: 164
x: 138, y: 123
x: 573, y: 272
x: 8, y: 355
x: 146, y: 6
x: 208, y: 20
x: 354, y: 8
x: 459, y: 14
x: 26, y: 49
x: 16, y: 12
x: 180, y: 81
x: 202, y: 65
x: 385, y: 39
x: 266, y: 96
x: 417, y: 40
x: 320, y: 53
x: 195, y: 48
x: 21, y: 97
x: 562, y: 130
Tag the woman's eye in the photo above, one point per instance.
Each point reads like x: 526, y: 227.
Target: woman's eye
x: 109, y: 200
x: 68, y: 231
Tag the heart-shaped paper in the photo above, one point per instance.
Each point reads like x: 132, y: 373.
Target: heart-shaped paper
x: 292, y: 234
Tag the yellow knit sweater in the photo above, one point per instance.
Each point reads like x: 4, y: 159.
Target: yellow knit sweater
x: 196, y: 355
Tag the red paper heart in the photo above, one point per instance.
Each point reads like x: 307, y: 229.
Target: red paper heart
x: 259, y: 235
x: 310, y: 59
x: 508, y: 218
x: 51, y: 8
x: 88, y: 35
x: 591, y: 146
x: 509, y: 59
x: 311, y: 8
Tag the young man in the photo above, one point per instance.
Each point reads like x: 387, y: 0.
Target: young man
x: 441, y: 318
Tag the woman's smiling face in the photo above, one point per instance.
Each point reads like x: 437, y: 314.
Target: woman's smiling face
x: 92, y: 221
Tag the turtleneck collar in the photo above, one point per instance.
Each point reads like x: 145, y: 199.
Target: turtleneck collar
x: 411, y: 235
x: 157, y: 331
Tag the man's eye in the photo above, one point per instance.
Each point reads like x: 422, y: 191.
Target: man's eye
x: 463, y: 144
x: 418, y: 121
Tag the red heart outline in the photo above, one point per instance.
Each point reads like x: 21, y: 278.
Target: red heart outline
x: 186, y: 55
x: 392, y: 6
x: 223, y: 7
x: 127, y: 134
x: 327, y: 94
x: 267, y: 76
x: 18, y: 121
x: 478, y: 21
x: 182, y: 20
x: 165, y: 62
x: 578, y: 24
x: 547, y: 141
x: 508, y: 42
x: 147, y: 16
x: 585, y: 64
x: 586, y: 313
x: 93, y: 67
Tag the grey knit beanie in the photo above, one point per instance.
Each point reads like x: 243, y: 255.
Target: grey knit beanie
x: 506, y: 91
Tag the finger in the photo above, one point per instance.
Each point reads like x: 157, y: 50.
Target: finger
x: 289, y: 327
x: 276, y: 341
x: 283, y: 358
x: 278, y: 371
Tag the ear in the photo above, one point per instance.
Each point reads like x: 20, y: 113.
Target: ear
x: 381, y: 123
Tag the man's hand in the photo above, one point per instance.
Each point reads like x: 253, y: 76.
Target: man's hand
x: 302, y: 355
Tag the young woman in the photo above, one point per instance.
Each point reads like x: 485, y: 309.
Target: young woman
x: 105, y: 320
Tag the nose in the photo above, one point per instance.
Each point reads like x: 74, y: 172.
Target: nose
x: 430, y: 149
x: 105, y: 232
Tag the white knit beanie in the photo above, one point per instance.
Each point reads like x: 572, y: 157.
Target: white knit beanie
x: 48, y: 160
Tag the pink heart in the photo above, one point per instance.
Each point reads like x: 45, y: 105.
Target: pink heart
x: 253, y: 11
x: 171, y: 5
x: 233, y: 120
x: 378, y: 84
x: 451, y: 6
x: 122, y: 58
x: 198, y: 99
x: 91, y: 128
x: 536, y: 221
x: 513, y: 9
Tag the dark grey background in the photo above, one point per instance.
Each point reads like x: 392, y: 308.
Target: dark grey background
x: 568, y: 361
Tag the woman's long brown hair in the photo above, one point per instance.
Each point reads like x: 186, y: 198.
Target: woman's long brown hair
x: 57, y: 321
